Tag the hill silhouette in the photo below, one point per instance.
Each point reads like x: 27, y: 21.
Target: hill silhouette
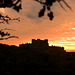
x: 36, y: 58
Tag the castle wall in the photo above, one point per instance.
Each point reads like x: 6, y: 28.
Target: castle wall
x: 40, y: 43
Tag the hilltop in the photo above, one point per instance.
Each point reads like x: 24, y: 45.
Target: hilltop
x: 36, y: 58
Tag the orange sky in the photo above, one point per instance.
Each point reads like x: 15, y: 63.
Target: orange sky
x: 59, y: 32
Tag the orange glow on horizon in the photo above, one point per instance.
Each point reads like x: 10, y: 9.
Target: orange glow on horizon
x: 2, y: 10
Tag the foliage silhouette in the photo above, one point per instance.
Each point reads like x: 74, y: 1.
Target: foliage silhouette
x: 2, y: 33
x: 7, y: 18
x: 16, y: 5
x: 12, y: 4
x: 47, y: 5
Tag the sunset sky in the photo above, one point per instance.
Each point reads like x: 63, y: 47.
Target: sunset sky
x: 59, y: 32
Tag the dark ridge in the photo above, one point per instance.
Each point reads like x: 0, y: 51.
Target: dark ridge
x: 36, y: 58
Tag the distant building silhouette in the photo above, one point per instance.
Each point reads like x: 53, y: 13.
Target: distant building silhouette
x: 36, y: 58
x: 42, y: 45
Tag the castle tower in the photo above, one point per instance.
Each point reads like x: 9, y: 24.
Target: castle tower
x: 40, y: 43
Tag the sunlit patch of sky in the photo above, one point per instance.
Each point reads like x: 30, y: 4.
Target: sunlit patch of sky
x: 2, y: 10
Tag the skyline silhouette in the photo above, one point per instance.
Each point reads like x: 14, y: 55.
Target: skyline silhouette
x: 36, y: 58
x: 59, y: 31
x: 38, y: 19
x: 37, y: 43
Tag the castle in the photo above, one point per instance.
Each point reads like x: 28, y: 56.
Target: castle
x: 42, y: 45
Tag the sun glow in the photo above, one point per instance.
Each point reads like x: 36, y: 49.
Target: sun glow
x: 2, y: 10
x: 68, y: 43
x: 73, y: 28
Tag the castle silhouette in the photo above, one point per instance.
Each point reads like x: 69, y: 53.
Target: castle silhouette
x: 36, y: 58
x: 42, y: 44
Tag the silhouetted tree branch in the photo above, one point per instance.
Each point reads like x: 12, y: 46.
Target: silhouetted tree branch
x: 7, y: 19
x: 8, y: 37
x: 47, y: 5
x: 14, y: 4
x: 17, y: 5
x: 3, y: 34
